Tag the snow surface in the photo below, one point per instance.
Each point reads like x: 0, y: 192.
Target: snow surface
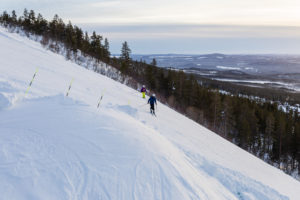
x: 57, y: 147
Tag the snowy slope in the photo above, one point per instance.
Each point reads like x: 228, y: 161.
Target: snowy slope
x: 57, y: 147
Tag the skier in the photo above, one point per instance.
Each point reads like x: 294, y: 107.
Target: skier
x: 152, y: 100
x: 143, y: 91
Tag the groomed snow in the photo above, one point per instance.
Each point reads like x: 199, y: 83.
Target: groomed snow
x: 57, y: 147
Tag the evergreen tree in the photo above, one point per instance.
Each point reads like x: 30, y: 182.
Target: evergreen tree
x: 153, y: 62
x: 125, y: 52
x: 106, y: 50
x: 78, y: 34
x: 149, y: 75
x: 14, y: 17
x: 26, y: 21
x: 96, y: 46
x: 216, y: 108
x: 228, y: 116
x: 125, y: 57
x: 86, y: 44
x: 280, y: 125
x: 270, y: 121
x: 41, y: 25
x: 31, y: 17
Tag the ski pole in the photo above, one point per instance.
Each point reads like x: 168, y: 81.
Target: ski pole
x: 29, y: 86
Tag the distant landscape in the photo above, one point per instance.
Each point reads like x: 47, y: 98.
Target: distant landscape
x: 280, y: 73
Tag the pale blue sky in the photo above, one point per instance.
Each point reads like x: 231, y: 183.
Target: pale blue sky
x: 190, y: 26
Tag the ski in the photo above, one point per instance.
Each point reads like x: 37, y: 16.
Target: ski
x: 152, y: 113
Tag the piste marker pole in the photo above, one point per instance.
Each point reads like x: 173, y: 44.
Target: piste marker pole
x: 29, y: 86
x: 100, y: 99
x: 70, y: 87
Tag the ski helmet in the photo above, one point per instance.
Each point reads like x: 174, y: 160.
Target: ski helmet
x: 153, y: 95
x: 143, y: 85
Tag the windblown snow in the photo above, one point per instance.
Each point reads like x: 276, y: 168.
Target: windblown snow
x: 58, y: 147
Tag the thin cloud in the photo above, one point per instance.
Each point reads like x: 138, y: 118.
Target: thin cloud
x: 255, y: 12
x: 193, y: 31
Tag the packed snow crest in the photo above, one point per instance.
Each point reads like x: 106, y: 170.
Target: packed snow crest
x: 58, y: 147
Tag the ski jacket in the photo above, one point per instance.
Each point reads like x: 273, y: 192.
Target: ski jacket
x: 143, y: 89
x: 152, y: 100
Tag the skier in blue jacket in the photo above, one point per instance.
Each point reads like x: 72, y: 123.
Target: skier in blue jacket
x: 152, y: 101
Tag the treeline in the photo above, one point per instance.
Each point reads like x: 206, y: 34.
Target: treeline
x: 260, y: 128
x: 72, y: 37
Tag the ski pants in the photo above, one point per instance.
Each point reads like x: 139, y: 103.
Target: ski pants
x: 152, y: 107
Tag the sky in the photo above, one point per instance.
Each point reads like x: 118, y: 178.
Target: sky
x: 176, y: 26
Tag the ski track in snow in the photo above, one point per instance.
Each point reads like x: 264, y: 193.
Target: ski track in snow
x: 57, y: 147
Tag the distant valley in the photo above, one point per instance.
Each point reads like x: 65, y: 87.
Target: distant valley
x: 281, y: 72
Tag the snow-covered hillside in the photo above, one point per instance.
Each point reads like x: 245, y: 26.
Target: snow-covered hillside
x: 57, y: 147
